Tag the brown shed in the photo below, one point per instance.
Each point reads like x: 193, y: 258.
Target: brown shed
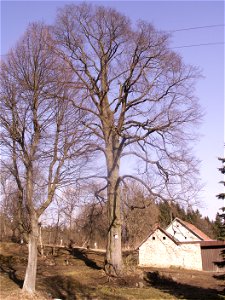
x: 211, y: 255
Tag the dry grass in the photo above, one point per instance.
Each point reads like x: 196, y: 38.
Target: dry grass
x: 19, y: 295
x: 80, y: 277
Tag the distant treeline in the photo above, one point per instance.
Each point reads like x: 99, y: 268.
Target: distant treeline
x: 89, y: 227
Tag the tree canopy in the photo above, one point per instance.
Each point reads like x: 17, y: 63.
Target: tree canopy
x: 91, y: 84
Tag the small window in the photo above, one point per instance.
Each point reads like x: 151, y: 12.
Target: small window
x: 153, y: 238
x: 164, y: 237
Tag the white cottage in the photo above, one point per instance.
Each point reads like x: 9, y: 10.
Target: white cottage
x: 180, y: 245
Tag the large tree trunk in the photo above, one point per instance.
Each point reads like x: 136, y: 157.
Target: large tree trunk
x: 113, y: 264
x: 31, y: 271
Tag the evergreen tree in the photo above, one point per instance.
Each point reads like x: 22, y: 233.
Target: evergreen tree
x: 221, y: 216
x: 180, y: 212
x: 218, y: 227
x: 165, y: 214
x: 220, y: 220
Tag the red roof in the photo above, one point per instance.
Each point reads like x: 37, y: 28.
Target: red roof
x: 205, y: 239
x: 204, y: 243
x: 194, y: 230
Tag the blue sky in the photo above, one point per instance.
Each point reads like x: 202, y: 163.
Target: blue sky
x: 167, y: 16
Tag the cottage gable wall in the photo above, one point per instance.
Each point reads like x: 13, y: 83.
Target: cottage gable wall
x: 181, y: 233
x: 191, y: 256
x: 159, y: 250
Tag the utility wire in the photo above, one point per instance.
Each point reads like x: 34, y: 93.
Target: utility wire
x: 180, y: 47
x: 186, y: 29
x: 198, y: 27
x: 198, y: 45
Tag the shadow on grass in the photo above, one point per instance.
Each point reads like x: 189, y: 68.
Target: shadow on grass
x: 180, y: 290
x: 68, y: 288
x: 6, y: 266
x: 81, y: 254
x: 222, y: 278
x: 219, y: 276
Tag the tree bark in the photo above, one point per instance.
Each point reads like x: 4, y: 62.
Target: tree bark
x: 30, y: 276
x: 113, y: 263
x: 41, y: 242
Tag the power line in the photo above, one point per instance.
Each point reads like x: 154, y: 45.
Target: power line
x: 180, y: 47
x: 186, y: 29
x: 198, y: 45
x: 197, y: 27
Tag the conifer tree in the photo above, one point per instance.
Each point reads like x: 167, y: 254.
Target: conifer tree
x: 218, y: 227
x: 165, y: 214
x: 220, y: 218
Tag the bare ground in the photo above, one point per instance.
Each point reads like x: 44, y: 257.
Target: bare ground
x: 79, y: 275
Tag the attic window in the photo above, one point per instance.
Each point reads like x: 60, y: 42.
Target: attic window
x: 153, y: 238
x: 164, y: 237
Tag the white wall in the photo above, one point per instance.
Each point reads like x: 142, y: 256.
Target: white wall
x: 181, y: 233
x: 163, y: 252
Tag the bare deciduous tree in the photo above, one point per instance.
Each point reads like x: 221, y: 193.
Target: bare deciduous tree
x: 140, y: 95
x: 139, y: 214
x: 8, y: 208
x: 42, y: 134
x: 70, y: 199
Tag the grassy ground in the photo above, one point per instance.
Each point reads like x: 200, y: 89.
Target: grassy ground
x: 80, y: 276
